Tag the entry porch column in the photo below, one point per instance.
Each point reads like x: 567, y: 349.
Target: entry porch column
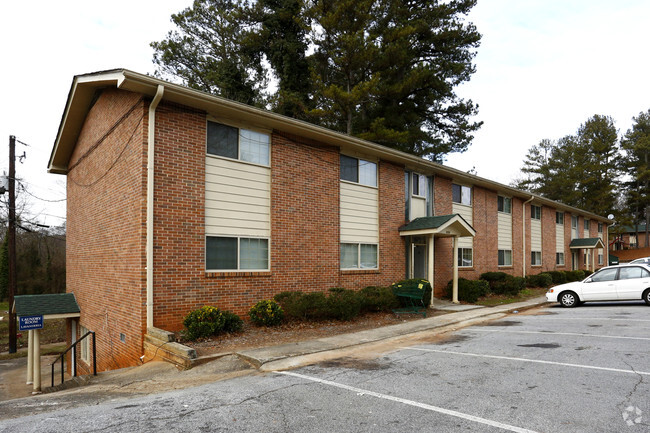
x: 430, y: 275
x: 454, y: 298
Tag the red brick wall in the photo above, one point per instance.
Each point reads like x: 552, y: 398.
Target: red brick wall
x: 443, y: 249
x: 548, y: 239
x: 517, y: 240
x: 104, y: 231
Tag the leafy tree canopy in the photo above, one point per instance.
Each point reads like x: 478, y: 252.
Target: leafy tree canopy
x: 383, y: 70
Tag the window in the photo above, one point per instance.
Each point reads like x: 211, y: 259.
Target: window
x: 358, y: 171
x: 504, y: 204
x: 85, y: 344
x: 419, y: 185
x: 600, y: 227
x: 587, y: 224
x: 632, y: 272
x: 358, y: 256
x: 465, y: 259
x: 600, y: 258
x: 535, y: 212
x: 536, y: 258
x: 505, y: 257
x: 574, y: 222
x: 559, y: 259
x: 461, y: 194
x: 231, y: 253
x: 559, y: 218
x: 235, y: 143
x: 604, y: 275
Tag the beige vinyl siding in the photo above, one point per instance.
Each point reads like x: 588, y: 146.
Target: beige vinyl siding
x: 237, y: 198
x: 504, y: 221
x: 559, y: 238
x: 359, y: 213
x: 418, y: 207
x: 467, y: 213
x: 536, y: 235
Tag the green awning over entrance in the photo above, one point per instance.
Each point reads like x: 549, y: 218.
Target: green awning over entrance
x: 59, y: 305
x: 587, y: 243
x: 443, y: 225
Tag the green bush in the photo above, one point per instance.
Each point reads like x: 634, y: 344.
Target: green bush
x: 469, y: 290
x: 343, y: 304
x: 587, y: 272
x: 509, y: 286
x: 290, y: 303
x: 493, y: 276
x: 426, y: 286
x: 540, y: 280
x: 203, y: 323
x: 559, y: 277
x: 266, y: 313
x: 577, y: 275
x: 378, y: 299
x: 232, y: 322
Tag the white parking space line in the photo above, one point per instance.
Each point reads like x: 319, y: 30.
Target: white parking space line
x: 573, y: 334
x: 410, y: 403
x: 596, y: 318
x: 538, y: 361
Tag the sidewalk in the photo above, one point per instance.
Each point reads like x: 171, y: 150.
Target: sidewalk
x: 159, y: 376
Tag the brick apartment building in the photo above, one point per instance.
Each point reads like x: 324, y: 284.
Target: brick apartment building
x: 178, y: 199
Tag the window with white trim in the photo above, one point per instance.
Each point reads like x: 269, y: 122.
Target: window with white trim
x: 358, y: 256
x: 587, y: 224
x: 85, y: 344
x: 574, y: 222
x: 465, y: 257
x: 600, y: 228
x: 419, y: 185
x: 234, y: 253
x: 461, y: 194
x: 536, y: 258
x: 236, y: 143
x: 505, y: 257
x: 358, y: 170
x: 535, y: 212
x: 504, y: 204
x: 559, y: 259
x: 559, y: 218
x: 600, y: 258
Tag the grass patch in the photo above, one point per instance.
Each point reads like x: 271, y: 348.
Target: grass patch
x: 492, y: 299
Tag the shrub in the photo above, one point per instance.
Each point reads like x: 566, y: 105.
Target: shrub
x: 232, y: 322
x: 313, y: 306
x: 378, y: 299
x: 203, y: 323
x: 540, y: 280
x: 468, y: 290
x: 266, y: 313
x: 493, y: 276
x: 343, y: 304
x: 290, y: 303
x: 426, y: 286
x: 577, y: 275
x: 559, y: 277
x: 510, y: 286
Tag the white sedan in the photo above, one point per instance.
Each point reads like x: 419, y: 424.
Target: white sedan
x: 613, y: 283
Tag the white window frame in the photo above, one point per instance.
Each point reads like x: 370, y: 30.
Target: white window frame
x: 267, y: 163
x: 461, y: 252
x: 360, y: 163
x: 503, y: 201
x: 601, y: 259
x: 238, y: 268
x: 421, y: 181
x: 84, y: 349
x: 600, y: 228
x: 465, y: 193
x: 557, y: 217
x: 505, y: 257
x: 574, y: 222
x: 534, y: 256
x: 587, y: 225
x: 359, y: 264
x: 559, y: 256
x: 534, y: 214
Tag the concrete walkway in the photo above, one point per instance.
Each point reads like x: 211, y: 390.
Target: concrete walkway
x: 279, y: 357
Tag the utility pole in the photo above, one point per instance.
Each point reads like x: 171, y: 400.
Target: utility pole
x: 12, y: 242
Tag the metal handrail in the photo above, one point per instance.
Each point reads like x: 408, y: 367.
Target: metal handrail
x: 74, y: 364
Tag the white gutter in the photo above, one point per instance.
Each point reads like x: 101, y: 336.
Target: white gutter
x: 150, y: 173
x: 523, y: 238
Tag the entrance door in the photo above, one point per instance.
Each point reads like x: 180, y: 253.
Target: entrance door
x: 420, y: 261
x: 574, y: 260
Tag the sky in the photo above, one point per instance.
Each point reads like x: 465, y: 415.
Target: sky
x: 543, y: 68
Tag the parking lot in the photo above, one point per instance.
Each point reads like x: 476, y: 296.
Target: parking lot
x: 546, y: 370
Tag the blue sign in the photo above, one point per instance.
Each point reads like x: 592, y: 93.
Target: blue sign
x: 30, y: 322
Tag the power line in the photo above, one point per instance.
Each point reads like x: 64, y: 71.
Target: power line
x: 38, y: 198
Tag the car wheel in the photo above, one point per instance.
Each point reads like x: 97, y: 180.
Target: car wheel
x: 568, y: 299
x: 646, y: 296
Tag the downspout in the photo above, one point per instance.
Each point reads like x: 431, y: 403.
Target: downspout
x: 523, y: 231
x: 150, y: 172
